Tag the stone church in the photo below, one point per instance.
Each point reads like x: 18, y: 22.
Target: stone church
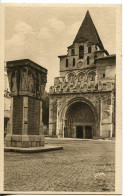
x: 82, y: 100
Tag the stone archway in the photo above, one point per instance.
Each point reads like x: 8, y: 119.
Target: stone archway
x: 78, y: 119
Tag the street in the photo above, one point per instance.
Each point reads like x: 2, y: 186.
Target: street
x: 82, y: 166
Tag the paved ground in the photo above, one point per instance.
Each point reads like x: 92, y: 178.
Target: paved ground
x: 82, y: 166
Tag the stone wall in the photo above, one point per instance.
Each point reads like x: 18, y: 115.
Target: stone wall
x: 90, y: 80
x: 17, y: 115
x: 27, y: 82
x: 33, y: 116
x: 83, y: 81
x: 101, y: 102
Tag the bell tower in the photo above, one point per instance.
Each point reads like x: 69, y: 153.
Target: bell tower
x: 86, y: 47
x: 87, y: 75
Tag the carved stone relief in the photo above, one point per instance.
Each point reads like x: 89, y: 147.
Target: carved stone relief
x: 106, y: 110
x: 82, y: 82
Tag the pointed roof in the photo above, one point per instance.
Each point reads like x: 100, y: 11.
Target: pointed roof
x: 88, y: 32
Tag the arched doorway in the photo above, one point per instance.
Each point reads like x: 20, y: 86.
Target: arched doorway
x: 80, y: 121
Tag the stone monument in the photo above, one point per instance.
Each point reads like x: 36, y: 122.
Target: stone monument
x: 27, y: 82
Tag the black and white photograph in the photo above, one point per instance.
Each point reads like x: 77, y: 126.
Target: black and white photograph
x: 61, y: 72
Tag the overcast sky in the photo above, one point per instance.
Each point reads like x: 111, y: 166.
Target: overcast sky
x: 43, y: 33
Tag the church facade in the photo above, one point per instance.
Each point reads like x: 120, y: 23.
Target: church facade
x: 82, y: 100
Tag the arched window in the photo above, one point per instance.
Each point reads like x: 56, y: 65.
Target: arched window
x: 66, y: 62
x: 72, y: 52
x: 91, y: 76
x: 81, y: 52
x: 71, y: 77
x: 81, y: 76
x: 89, y: 49
x: 73, y: 62
x: 88, y: 60
x: 103, y: 75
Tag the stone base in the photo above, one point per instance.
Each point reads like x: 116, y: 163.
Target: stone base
x: 45, y: 148
x: 24, y: 141
x: 106, y: 130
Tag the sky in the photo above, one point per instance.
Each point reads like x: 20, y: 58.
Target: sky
x: 43, y: 33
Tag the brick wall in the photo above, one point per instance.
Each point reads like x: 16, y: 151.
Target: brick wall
x: 17, y: 115
x: 33, y: 116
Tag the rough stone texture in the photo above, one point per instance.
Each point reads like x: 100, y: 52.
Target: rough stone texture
x: 8, y: 143
x: 95, y: 100
x: 25, y: 141
x: 75, y: 168
x: 19, y: 144
x: 16, y: 138
x: 25, y: 144
x: 33, y: 144
x: 25, y: 138
x: 27, y: 82
x: 33, y: 116
x: 42, y: 143
x: 17, y: 115
x: 8, y: 137
x: 14, y: 144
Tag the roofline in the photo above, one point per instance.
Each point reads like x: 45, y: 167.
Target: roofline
x: 85, y: 92
x: 98, y: 51
x: 81, y: 69
x: 27, y: 61
x: 99, y: 42
x: 71, y: 46
x: 62, y: 56
x: 105, y: 51
x: 106, y: 57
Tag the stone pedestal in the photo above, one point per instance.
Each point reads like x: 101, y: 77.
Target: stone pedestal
x: 27, y: 82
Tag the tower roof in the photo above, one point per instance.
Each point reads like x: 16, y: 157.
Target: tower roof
x: 88, y: 32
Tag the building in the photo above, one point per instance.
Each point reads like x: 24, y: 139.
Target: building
x: 82, y: 100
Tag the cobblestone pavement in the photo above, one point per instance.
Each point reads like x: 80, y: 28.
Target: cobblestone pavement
x: 85, y: 166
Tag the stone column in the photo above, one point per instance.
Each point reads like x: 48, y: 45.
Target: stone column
x: 50, y: 128
x: 100, y: 115
x: 25, y: 116
x: 106, y: 116
x: 27, y: 83
x: 111, y: 127
x: 57, y: 122
x: 9, y: 133
x: 74, y: 129
x: 41, y: 123
x: 59, y: 131
x: 52, y: 123
x: 63, y: 124
x: 96, y: 78
x: 11, y: 117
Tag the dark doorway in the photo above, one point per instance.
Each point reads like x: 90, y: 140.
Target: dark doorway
x: 79, y: 132
x: 88, y: 132
x: 65, y: 132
